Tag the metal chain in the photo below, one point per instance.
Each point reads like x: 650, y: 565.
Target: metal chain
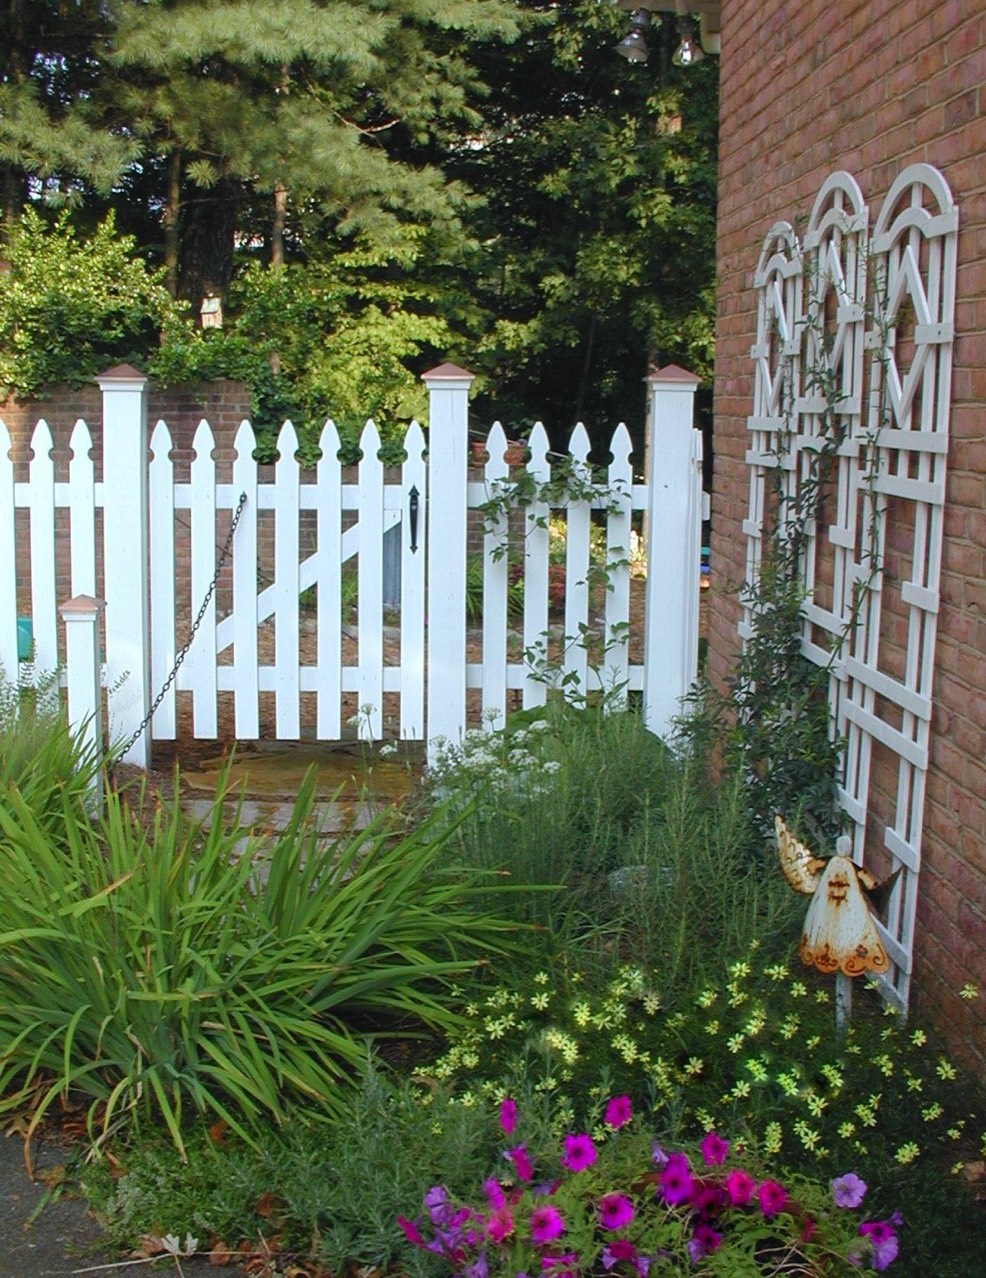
x: 183, y: 651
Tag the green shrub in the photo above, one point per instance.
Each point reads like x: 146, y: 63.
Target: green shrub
x: 185, y: 970
x: 71, y: 305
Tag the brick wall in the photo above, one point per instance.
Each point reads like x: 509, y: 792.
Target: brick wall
x: 871, y: 86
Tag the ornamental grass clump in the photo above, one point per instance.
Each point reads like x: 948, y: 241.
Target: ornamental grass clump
x: 621, y: 1203
x: 155, y: 967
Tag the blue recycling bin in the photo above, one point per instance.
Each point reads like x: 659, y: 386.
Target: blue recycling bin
x: 25, y: 638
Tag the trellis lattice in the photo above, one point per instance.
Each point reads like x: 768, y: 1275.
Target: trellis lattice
x: 854, y: 337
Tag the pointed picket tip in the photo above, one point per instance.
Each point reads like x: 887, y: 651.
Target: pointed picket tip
x: 579, y: 444
x: 287, y: 443
x: 160, y: 441
x: 369, y: 441
x: 80, y: 441
x: 245, y: 441
x: 539, y: 443
x: 329, y: 444
x: 621, y: 445
x: 203, y: 441
x: 414, y: 441
x: 41, y: 441
x: 675, y: 374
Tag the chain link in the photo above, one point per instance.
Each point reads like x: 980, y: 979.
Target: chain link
x: 183, y: 651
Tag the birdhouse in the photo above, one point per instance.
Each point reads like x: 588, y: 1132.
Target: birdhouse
x: 211, y: 312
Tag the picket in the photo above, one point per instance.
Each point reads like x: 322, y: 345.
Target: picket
x: 8, y: 555
x: 161, y: 543
x: 537, y: 547
x: 44, y: 609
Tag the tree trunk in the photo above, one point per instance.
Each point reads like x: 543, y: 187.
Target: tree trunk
x: 172, y: 211
x: 277, y: 226
x: 209, y: 225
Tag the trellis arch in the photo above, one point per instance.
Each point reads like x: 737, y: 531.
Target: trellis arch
x: 871, y: 571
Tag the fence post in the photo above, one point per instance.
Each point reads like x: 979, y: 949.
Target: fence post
x: 448, y: 445
x: 85, y: 703
x: 674, y: 547
x: 125, y: 557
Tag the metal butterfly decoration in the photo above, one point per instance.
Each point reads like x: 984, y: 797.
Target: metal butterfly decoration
x: 840, y: 934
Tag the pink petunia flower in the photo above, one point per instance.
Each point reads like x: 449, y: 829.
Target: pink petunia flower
x: 740, y: 1186
x: 714, y: 1149
x: 676, y: 1180
x: 615, y: 1211
x: 619, y: 1111
x: 848, y: 1190
x: 617, y: 1250
x: 773, y: 1198
x: 411, y: 1231
x: 883, y: 1238
x: 508, y: 1115
x: 522, y: 1164
x: 546, y: 1224
x: 500, y: 1225
x: 579, y: 1154
x: 704, y: 1240
x: 494, y: 1193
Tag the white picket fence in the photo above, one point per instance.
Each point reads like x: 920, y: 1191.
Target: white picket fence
x: 130, y: 596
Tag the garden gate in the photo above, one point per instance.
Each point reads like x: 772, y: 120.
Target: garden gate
x: 144, y: 566
x: 872, y: 575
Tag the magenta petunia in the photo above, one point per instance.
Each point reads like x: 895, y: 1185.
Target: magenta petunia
x: 508, y: 1115
x: 740, y: 1186
x: 494, y: 1193
x: 522, y: 1164
x: 500, y: 1225
x: 677, y: 1184
x: 411, y: 1231
x: 773, y: 1198
x: 546, y: 1224
x: 714, y: 1149
x: 579, y: 1154
x: 619, y: 1111
x: 883, y: 1238
x: 704, y: 1241
x: 617, y: 1250
x: 615, y: 1211
x: 848, y: 1190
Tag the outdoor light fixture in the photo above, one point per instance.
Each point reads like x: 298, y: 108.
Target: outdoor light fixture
x: 633, y: 47
x: 687, y: 52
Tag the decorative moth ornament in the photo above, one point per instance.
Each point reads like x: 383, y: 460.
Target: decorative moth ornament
x: 839, y: 934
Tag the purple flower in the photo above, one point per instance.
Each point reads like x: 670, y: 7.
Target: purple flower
x: 615, y: 1211
x: 658, y: 1156
x: 508, y: 1115
x: 676, y: 1180
x: 848, y: 1190
x: 708, y: 1199
x: 883, y: 1238
x: 714, y: 1149
x: 579, y: 1154
x: 617, y: 1250
x: 619, y: 1111
x: 522, y: 1164
x: 440, y: 1207
x: 546, y: 1224
x: 740, y: 1186
x: 478, y: 1269
x: 773, y: 1198
x: 704, y: 1240
x: 494, y: 1193
x: 563, y: 1266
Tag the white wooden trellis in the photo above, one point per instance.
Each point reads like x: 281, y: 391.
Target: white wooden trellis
x: 891, y: 293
